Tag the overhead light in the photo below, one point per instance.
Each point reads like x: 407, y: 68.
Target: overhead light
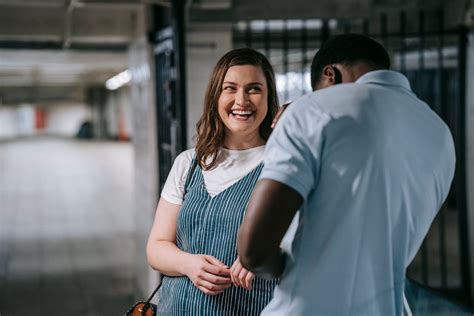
x: 118, y: 80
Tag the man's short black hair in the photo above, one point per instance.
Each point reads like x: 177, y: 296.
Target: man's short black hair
x: 348, y: 49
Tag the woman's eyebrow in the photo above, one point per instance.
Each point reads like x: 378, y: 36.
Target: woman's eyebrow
x: 247, y: 84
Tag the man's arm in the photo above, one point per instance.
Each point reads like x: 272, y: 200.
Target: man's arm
x: 271, y: 208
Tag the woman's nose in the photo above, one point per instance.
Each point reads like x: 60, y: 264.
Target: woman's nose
x: 241, y: 98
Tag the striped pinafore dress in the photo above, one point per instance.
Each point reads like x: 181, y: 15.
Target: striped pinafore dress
x: 208, y: 225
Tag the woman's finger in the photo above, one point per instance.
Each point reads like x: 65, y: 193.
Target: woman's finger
x: 211, y: 287
x: 209, y: 292
x: 215, y: 279
x: 236, y: 272
x: 242, y: 275
x: 215, y: 261
x: 279, y: 113
x: 249, y: 280
x: 232, y: 271
x: 216, y: 269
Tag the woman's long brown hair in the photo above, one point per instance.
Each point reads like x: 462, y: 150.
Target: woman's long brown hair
x: 210, y: 128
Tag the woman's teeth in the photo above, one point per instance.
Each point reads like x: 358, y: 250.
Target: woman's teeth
x: 238, y: 112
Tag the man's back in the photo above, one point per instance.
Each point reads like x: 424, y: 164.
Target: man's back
x: 373, y: 164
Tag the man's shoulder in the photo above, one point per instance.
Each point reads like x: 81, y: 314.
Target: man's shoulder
x: 334, y: 94
x: 306, y: 113
x: 325, y: 101
x: 342, y: 91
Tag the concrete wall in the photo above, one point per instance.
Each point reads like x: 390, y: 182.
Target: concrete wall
x: 9, y: 122
x: 205, y: 45
x: 17, y: 121
x: 7, y: 126
x: 61, y: 119
x: 64, y: 119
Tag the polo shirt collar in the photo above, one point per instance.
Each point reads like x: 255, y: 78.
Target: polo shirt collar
x: 385, y: 77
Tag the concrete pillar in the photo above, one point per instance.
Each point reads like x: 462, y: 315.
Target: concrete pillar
x: 96, y: 98
x: 142, y: 95
x: 205, y: 45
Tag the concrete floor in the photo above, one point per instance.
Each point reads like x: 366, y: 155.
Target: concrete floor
x: 66, y: 229
x: 66, y: 242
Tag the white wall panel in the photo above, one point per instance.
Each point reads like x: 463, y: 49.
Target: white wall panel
x: 65, y: 119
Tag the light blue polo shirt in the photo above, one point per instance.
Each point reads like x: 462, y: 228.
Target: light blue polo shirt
x: 373, y: 164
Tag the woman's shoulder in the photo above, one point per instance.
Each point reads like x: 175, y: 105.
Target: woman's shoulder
x: 187, y: 155
x: 183, y: 161
x: 173, y: 189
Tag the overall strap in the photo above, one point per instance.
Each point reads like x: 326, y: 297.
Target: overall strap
x: 191, y: 171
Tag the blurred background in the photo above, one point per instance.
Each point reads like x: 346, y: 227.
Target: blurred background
x: 97, y: 97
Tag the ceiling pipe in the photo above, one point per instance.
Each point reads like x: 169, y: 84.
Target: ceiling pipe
x: 70, y: 4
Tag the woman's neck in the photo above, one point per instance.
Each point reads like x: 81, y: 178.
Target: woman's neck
x: 241, y: 142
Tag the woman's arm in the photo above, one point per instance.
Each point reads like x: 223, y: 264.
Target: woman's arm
x: 162, y: 253
x: 206, y: 272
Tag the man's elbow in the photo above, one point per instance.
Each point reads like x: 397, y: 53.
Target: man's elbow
x: 249, y: 259
x: 250, y: 253
x: 246, y: 250
x: 259, y: 263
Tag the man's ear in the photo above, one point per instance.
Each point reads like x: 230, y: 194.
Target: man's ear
x: 327, y: 79
x: 329, y: 75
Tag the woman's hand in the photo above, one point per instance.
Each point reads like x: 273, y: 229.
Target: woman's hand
x: 279, y: 113
x: 208, y: 274
x: 241, y: 276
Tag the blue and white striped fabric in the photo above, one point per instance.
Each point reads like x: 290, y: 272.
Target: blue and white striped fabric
x: 209, y: 225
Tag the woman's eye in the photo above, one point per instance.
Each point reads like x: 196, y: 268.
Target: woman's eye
x: 254, y: 89
x: 228, y: 88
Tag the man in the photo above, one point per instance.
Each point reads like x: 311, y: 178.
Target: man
x: 368, y: 165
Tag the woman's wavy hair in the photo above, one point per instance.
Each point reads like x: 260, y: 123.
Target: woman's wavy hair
x: 210, y: 128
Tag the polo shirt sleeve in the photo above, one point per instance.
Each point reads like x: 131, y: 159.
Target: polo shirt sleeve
x: 293, y: 152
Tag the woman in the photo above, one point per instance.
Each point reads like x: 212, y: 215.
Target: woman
x: 193, y: 238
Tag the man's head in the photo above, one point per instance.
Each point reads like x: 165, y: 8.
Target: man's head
x: 344, y: 58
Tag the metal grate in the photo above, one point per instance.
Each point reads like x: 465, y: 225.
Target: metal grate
x: 434, y: 60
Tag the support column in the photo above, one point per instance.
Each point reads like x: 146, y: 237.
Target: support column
x: 96, y: 100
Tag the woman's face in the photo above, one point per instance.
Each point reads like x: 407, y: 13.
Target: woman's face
x: 243, y: 103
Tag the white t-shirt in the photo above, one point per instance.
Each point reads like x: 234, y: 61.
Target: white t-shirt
x: 231, y: 166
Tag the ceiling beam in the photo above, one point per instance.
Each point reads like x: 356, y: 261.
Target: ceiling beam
x: 116, y: 4
x: 68, y: 27
x: 59, y: 45
x: 40, y: 94
x: 33, y: 3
